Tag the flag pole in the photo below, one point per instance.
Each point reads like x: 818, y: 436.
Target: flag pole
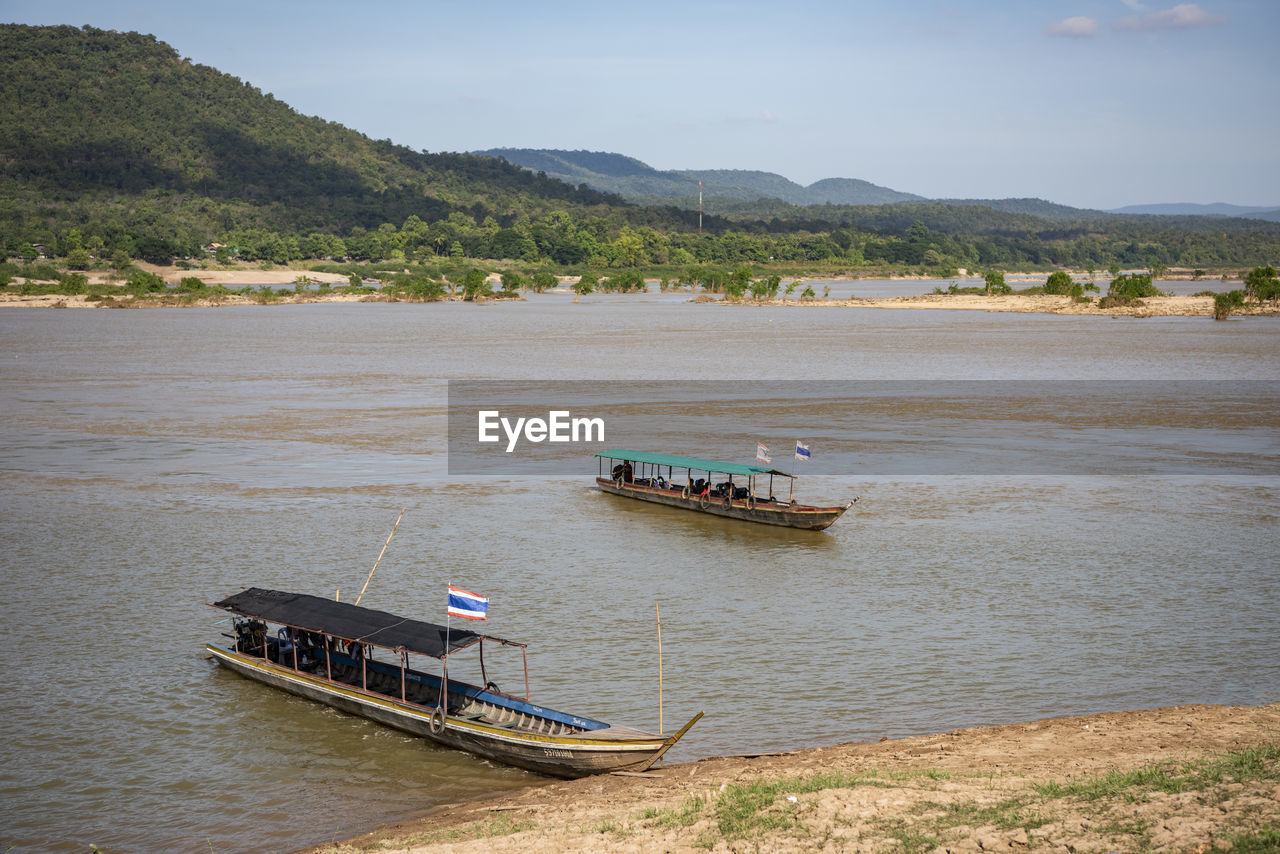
x: 792, y: 499
x: 658, y: 612
x: 444, y: 665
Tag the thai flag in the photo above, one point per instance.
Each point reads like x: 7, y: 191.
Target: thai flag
x: 469, y: 606
x: 802, y: 451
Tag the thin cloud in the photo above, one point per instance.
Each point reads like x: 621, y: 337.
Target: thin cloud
x: 1184, y: 16
x: 1078, y: 27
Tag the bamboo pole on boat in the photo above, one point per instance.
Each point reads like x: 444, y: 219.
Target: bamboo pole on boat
x: 657, y: 611
x: 380, y: 554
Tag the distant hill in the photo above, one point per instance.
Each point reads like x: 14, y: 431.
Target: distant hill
x: 637, y: 182
x: 633, y: 179
x: 1271, y: 213
x: 1050, y: 211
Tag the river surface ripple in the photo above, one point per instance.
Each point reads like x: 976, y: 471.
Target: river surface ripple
x: 154, y: 461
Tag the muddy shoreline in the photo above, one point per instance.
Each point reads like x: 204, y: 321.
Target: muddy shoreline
x: 1009, y: 787
x: 1162, y: 306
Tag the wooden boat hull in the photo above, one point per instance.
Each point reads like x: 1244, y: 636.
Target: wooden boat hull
x: 576, y: 755
x: 767, y: 513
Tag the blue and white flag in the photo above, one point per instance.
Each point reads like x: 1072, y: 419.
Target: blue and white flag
x: 469, y: 606
x: 802, y: 451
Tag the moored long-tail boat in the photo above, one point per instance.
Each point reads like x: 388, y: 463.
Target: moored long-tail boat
x: 674, y: 480
x: 329, y: 651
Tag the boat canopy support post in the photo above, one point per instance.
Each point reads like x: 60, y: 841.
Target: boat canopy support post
x: 404, y: 666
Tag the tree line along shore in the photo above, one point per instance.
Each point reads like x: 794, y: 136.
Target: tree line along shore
x: 140, y: 285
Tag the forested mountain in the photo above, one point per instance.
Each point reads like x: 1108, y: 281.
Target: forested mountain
x: 92, y: 121
x: 634, y: 180
x: 112, y: 145
x: 1185, y: 209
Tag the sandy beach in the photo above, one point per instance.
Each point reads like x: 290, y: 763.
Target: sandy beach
x: 1180, y: 306
x: 1185, y: 778
x: 1163, y: 306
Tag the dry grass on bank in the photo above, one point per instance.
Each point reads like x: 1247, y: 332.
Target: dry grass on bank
x: 1189, y: 778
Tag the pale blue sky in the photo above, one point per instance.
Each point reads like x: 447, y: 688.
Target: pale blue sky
x: 1092, y: 103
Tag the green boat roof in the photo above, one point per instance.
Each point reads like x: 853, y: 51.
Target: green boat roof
x: 695, y: 463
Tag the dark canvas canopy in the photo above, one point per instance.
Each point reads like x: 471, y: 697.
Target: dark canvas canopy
x: 344, y: 620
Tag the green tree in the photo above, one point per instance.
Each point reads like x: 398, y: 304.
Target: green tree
x: 766, y: 287
x: 1133, y: 286
x: 512, y: 281
x: 73, y: 283
x: 475, y: 284
x: 735, y: 287
x: 586, y: 284
x: 996, y: 284
x: 1261, y: 283
x: 543, y: 281
x: 79, y: 259
x: 1060, y: 283
x: 142, y: 283
x: 1224, y: 304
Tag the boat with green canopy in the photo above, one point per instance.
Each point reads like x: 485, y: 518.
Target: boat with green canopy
x: 680, y: 482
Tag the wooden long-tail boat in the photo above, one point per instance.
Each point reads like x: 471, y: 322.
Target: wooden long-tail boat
x: 673, y: 480
x: 326, y: 651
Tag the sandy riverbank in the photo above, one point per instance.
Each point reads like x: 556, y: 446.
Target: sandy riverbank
x: 1163, y: 306
x: 981, y: 789
x: 237, y: 279
x: 1170, y: 306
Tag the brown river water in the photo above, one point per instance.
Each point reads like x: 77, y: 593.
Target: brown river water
x: 154, y: 461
